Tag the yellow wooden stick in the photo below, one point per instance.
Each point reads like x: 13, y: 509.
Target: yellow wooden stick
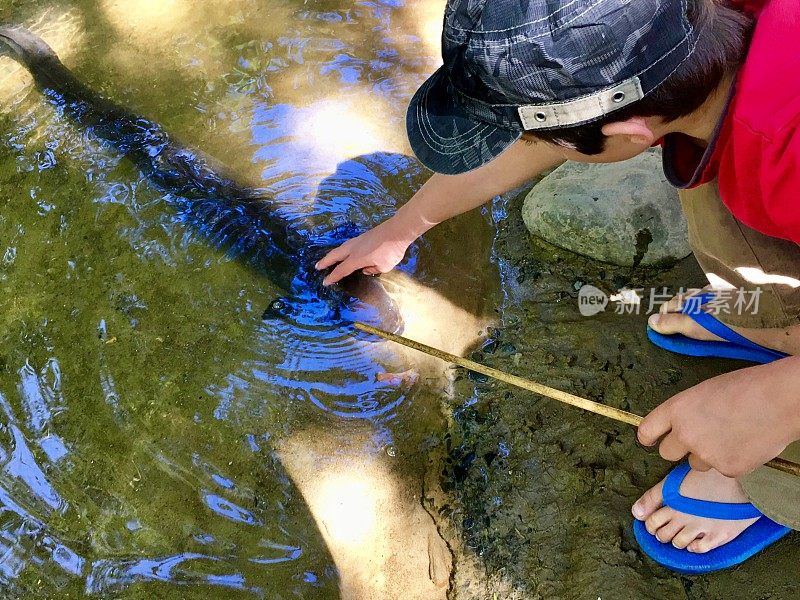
x: 537, y: 388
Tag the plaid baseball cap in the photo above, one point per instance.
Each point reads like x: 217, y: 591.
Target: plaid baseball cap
x: 512, y: 66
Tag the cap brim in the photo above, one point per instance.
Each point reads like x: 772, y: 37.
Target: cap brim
x: 445, y: 138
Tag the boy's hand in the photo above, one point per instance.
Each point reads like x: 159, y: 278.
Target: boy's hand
x: 442, y: 197
x: 377, y: 251
x: 733, y: 423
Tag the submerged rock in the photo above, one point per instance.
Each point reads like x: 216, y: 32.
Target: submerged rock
x: 623, y: 213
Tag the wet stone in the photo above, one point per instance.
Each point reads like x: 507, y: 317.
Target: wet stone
x: 620, y: 281
x: 623, y: 213
x: 277, y: 309
x: 507, y: 348
x: 491, y: 346
x: 478, y: 377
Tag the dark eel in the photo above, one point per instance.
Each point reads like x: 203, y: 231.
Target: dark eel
x: 240, y: 220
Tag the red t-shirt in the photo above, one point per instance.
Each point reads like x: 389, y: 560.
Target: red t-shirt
x: 755, y: 154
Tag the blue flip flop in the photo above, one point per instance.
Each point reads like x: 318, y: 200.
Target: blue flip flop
x: 735, y: 346
x: 752, y: 540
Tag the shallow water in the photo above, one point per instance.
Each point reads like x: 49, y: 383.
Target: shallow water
x: 143, y: 399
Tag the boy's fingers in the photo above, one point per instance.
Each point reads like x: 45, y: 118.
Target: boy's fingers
x: 654, y: 426
x: 331, y: 258
x: 671, y: 449
x: 342, y: 270
x: 697, y: 463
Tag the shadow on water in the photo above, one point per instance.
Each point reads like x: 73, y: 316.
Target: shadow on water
x: 159, y: 438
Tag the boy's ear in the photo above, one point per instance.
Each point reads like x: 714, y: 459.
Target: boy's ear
x: 636, y: 129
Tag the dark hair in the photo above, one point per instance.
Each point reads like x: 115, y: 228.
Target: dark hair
x: 723, y: 36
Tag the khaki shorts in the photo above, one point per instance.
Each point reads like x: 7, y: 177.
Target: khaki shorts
x: 730, y: 252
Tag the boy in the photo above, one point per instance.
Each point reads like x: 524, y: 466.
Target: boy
x: 528, y: 84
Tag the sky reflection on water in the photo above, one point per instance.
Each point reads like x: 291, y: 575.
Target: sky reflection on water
x: 143, y: 398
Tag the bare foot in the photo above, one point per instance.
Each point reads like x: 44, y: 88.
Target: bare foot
x: 695, y: 534
x: 670, y: 321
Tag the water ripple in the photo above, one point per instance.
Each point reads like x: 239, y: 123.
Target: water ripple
x: 144, y: 395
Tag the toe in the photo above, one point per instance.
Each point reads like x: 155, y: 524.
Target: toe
x: 658, y: 519
x: 686, y: 536
x: 705, y: 543
x: 669, y: 531
x: 666, y: 323
x: 679, y: 301
x: 674, y: 323
x: 650, y: 502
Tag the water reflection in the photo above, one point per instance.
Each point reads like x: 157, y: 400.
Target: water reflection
x: 157, y: 433
x: 63, y: 30
x: 329, y: 131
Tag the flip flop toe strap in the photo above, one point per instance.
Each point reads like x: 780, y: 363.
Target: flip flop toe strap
x: 703, y: 508
x: 693, y: 309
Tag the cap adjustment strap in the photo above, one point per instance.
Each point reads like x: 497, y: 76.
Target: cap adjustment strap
x: 583, y: 109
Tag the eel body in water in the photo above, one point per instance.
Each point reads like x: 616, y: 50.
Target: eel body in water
x: 241, y: 220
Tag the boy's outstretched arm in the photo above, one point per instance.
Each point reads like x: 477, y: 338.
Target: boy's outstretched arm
x: 380, y: 249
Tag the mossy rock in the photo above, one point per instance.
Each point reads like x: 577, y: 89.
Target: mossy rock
x: 623, y: 213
